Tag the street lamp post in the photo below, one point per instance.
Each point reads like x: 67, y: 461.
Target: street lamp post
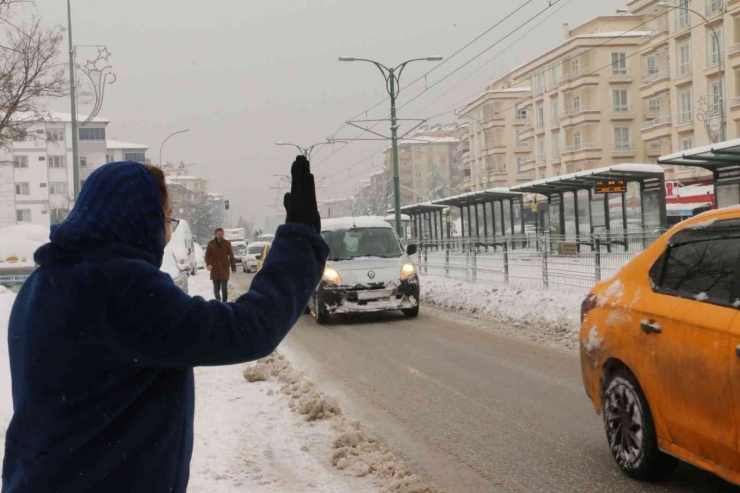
x: 720, y: 56
x: 165, y: 141
x: 307, y: 151
x: 392, y: 78
x: 73, y: 95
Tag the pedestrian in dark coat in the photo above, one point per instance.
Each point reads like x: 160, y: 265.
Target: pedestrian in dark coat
x: 219, y: 256
x: 103, y: 344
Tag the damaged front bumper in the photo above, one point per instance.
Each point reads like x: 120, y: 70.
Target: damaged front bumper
x: 373, y: 297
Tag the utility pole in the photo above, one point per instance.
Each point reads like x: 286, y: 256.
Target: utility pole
x: 392, y: 78
x: 73, y: 98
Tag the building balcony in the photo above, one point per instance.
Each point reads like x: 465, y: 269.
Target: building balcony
x: 685, y: 118
x: 583, y: 114
x: 714, y: 7
x: 624, y: 149
x: 523, y: 146
x: 522, y: 120
x: 711, y: 63
x: 526, y: 132
x: 541, y: 158
x: 555, y: 123
x: 733, y: 54
x: 540, y: 127
x: 735, y: 105
x: 683, y: 74
x: 579, y: 78
x: 657, y: 128
x: 582, y: 151
x: 682, y: 22
x: 621, y: 113
x: 556, y: 157
x: 620, y: 74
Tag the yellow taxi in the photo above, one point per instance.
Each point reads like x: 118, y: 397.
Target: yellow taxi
x: 262, y: 256
x: 660, y: 351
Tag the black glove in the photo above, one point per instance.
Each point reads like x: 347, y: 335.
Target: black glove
x: 300, y: 203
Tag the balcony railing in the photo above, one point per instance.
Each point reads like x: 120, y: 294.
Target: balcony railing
x: 528, y: 126
x: 540, y: 124
x: 714, y: 7
x: 523, y: 144
x: 734, y: 49
x: 620, y: 71
x: 683, y: 70
x: 522, y: 117
x: 685, y: 117
x: 624, y: 108
x: 623, y: 146
x: 556, y: 155
x: 583, y: 146
x: 659, y: 28
x: 682, y: 20
x: 662, y: 120
x: 541, y: 158
x: 572, y: 75
x: 663, y: 74
x: 712, y: 60
x: 735, y: 101
x: 580, y: 109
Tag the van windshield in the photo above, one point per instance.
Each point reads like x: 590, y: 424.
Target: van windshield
x: 255, y: 249
x: 346, y: 244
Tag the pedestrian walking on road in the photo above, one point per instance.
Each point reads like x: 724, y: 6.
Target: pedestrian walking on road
x: 102, y: 343
x: 219, y: 256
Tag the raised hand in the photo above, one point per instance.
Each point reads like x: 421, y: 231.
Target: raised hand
x: 300, y: 202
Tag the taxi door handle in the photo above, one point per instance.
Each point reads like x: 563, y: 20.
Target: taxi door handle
x: 650, y: 327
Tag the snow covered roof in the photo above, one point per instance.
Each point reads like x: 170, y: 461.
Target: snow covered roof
x: 184, y: 177
x: 55, y: 116
x: 623, y: 170
x: 613, y: 34
x: 723, y: 155
x: 354, y: 222
x: 114, y: 144
x: 392, y: 217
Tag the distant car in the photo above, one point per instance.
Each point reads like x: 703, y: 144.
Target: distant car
x: 660, y: 352
x: 368, y: 270
x: 199, y: 257
x: 18, y: 243
x: 240, y: 250
x: 250, y: 262
x: 263, y: 255
x: 179, y: 260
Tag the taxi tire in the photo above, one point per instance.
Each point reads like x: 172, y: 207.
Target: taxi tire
x: 322, y: 318
x: 622, y: 395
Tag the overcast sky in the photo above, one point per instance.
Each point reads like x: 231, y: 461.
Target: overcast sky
x: 244, y: 74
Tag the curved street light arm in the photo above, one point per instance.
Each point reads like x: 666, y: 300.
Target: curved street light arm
x: 165, y: 141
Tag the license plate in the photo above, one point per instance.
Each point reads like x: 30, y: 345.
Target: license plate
x: 373, y: 295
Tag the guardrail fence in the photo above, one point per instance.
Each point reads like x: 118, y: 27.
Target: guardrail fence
x: 535, y: 261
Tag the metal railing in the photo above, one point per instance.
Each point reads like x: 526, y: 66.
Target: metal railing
x: 623, y: 146
x: 583, y: 146
x: 618, y: 71
x: 735, y: 101
x: 535, y: 261
x: 572, y: 75
x: 663, y: 74
x: 685, y: 117
x: 683, y: 70
x: 581, y: 109
x: 714, y: 7
x: 523, y: 144
x: 662, y: 120
x: 712, y: 60
x: 622, y: 108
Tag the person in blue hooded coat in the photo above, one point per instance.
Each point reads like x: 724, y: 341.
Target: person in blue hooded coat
x: 102, y: 344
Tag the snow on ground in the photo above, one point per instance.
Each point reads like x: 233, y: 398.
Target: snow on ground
x: 6, y: 398
x: 548, y: 316
x: 247, y: 438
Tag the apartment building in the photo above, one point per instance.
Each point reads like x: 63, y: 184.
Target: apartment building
x: 36, y: 175
x: 690, y: 85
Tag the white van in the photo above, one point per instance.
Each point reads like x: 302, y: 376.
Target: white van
x: 179, y: 259
x: 250, y: 261
x: 368, y: 270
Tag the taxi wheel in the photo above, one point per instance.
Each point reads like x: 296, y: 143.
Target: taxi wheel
x: 630, y: 429
x: 412, y: 312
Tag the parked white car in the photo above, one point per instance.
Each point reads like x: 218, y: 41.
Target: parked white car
x: 250, y: 261
x: 18, y: 243
x: 200, y: 257
x: 180, y: 260
x: 239, y: 247
x: 368, y: 270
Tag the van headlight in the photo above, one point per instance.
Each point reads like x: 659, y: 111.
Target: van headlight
x: 408, y: 270
x: 331, y: 276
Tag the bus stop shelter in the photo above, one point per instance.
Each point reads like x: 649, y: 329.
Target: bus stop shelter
x: 722, y: 160
x: 427, y: 220
x: 622, y: 196
x: 488, y: 213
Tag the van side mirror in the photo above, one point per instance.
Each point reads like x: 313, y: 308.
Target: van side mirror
x: 412, y: 249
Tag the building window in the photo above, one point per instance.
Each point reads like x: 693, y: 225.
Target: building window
x: 682, y: 13
x: 576, y: 102
x: 108, y: 158
x: 555, y: 112
x: 55, y: 135
x: 714, y: 47
x: 57, y: 162
x: 553, y: 77
x: 715, y: 98
x: 58, y: 188
x: 622, y: 139
x: 92, y: 134
x: 653, y: 64
x: 687, y: 144
x: 20, y: 161
x: 137, y: 157
x: 521, y: 114
x: 540, y: 117
x: 83, y: 162
x: 22, y: 189
x: 655, y: 145
x: 539, y: 83
x: 684, y: 60
x: 619, y: 63
x: 685, y: 109
x: 653, y: 105
x: 620, y: 101
x: 23, y: 215
x: 577, y: 140
x: 58, y: 215
x: 556, y: 145
x: 575, y: 67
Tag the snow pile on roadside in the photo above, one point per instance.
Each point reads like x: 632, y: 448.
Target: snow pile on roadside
x: 355, y: 450
x: 548, y: 316
x: 6, y: 397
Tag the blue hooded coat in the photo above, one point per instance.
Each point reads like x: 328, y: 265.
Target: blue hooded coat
x: 102, y: 344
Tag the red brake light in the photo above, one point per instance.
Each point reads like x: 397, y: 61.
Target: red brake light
x: 588, y: 304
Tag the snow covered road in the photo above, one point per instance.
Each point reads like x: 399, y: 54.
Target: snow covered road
x: 469, y: 408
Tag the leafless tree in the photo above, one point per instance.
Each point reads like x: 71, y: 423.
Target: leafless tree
x: 30, y: 70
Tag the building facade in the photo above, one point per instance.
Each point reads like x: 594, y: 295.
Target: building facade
x: 36, y: 174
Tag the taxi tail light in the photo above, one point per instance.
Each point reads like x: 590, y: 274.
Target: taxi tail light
x: 588, y: 304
